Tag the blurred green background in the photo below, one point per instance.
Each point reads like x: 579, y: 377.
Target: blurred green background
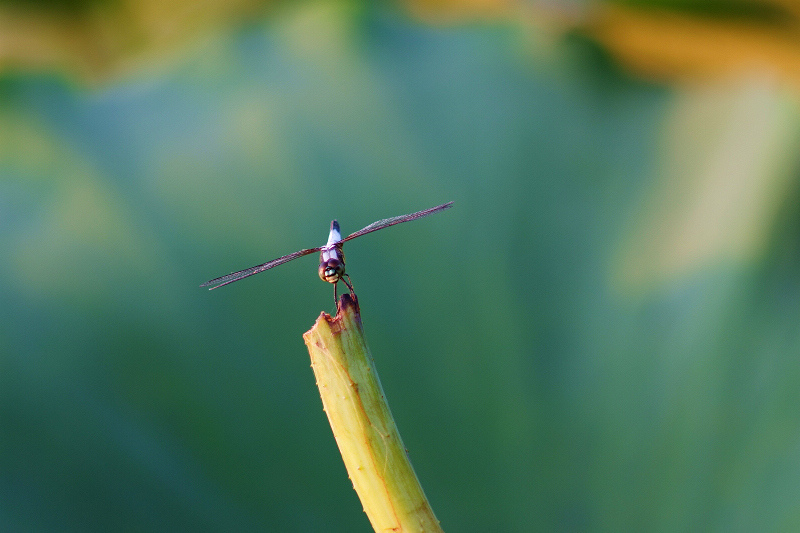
x: 601, y: 335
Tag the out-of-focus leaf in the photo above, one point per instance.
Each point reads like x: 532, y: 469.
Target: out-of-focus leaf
x: 674, y: 45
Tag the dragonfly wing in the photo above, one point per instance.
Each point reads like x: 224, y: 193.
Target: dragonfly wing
x: 236, y: 276
x: 386, y: 222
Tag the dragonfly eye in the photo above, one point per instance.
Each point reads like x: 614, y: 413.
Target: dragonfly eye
x: 331, y: 270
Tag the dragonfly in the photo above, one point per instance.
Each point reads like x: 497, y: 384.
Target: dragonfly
x: 331, y: 257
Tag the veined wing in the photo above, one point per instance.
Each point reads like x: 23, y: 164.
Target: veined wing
x: 386, y: 222
x: 236, y: 276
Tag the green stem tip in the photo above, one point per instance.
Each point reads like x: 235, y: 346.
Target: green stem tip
x: 362, y: 424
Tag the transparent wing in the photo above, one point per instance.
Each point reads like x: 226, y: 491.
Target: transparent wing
x: 236, y: 276
x: 386, y: 222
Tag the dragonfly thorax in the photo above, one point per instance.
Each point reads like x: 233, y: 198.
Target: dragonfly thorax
x: 331, y: 262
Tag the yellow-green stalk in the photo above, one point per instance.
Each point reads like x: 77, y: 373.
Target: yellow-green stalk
x: 363, y: 426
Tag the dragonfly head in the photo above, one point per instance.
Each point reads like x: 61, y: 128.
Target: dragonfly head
x: 331, y: 270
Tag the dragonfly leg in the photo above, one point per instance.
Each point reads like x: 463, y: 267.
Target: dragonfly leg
x: 349, y: 284
x: 335, y: 297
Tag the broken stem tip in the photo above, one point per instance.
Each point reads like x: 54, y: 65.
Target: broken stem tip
x: 362, y: 424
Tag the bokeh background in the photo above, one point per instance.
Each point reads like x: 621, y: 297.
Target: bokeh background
x: 601, y: 335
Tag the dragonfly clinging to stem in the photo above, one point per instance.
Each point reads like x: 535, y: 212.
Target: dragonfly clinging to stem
x: 331, y: 257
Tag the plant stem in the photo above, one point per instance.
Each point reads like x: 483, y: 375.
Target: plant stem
x: 362, y: 424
